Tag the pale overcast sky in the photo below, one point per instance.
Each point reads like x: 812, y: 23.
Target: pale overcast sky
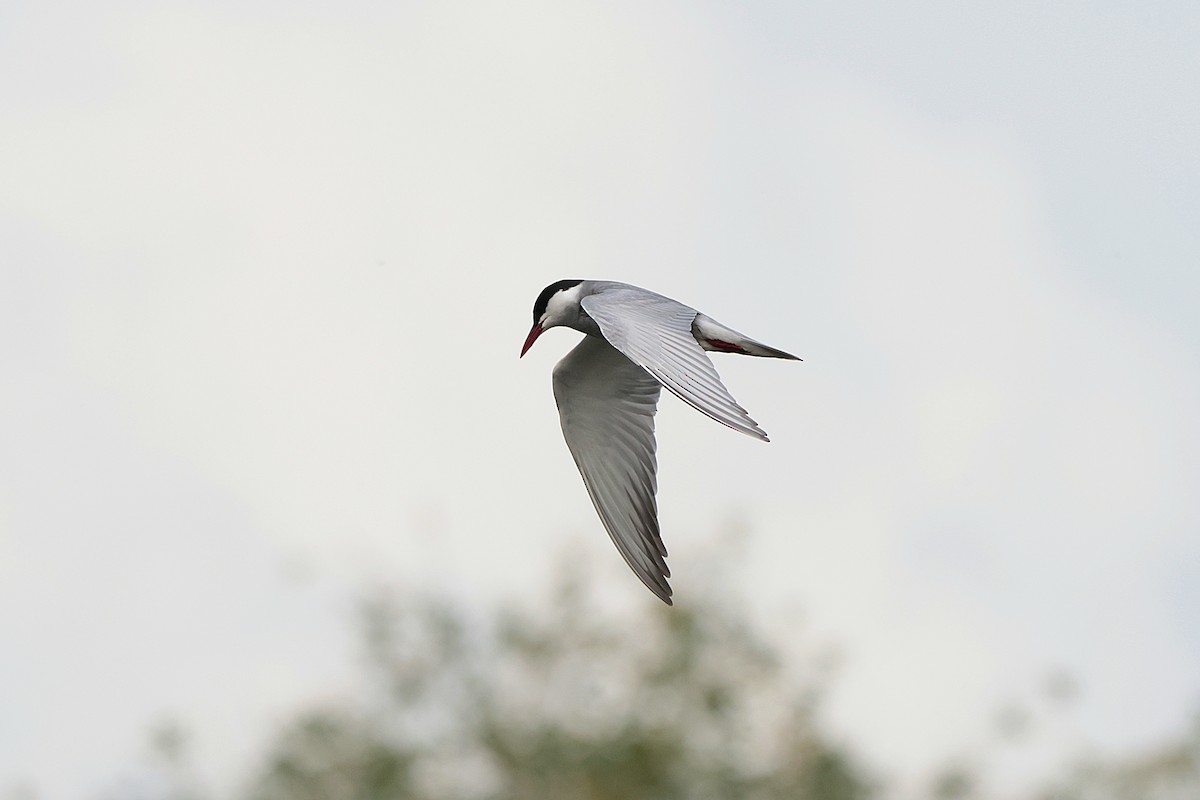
x: 265, y: 268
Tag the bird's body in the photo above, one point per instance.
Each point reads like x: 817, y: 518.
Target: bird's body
x: 607, y: 391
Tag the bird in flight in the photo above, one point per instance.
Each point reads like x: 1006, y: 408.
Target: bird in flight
x: 607, y: 392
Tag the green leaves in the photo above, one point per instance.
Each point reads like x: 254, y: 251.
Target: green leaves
x: 571, y: 701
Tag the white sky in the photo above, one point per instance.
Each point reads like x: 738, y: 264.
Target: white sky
x: 265, y: 269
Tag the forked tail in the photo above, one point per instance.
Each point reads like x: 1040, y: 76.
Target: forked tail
x: 712, y: 335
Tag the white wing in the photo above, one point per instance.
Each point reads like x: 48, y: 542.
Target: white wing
x: 606, y: 405
x: 655, y: 332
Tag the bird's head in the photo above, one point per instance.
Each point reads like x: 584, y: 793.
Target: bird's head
x: 558, y: 304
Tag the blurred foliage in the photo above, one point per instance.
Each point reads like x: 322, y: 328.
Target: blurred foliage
x: 574, y: 703
x: 575, y: 700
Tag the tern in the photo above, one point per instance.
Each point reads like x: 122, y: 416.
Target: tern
x: 607, y: 391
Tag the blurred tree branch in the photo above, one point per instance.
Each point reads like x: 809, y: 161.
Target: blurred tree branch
x: 574, y: 700
x: 667, y: 703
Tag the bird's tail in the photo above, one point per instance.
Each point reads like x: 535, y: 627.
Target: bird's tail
x: 712, y: 335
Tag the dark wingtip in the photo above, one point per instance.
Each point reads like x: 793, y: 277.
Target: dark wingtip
x: 662, y: 590
x: 773, y: 352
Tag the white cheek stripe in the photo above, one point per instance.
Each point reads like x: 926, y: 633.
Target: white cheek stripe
x: 563, y: 303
